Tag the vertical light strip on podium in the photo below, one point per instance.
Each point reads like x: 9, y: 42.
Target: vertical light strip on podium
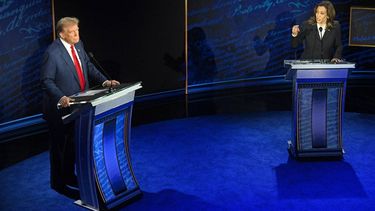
x: 111, y: 155
x: 319, y: 118
x: 304, y: 118
x: 101, y: 173
x: 334, y: 96
x: 122, y: 136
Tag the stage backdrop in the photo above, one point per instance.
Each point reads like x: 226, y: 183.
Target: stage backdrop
x: 25, y: 32
x: 232, y: 39
x: 144, y: 41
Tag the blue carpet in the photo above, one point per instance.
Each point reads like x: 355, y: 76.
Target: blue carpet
x: 222, y: 162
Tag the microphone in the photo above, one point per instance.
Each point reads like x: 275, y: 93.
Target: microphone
x: 102, y: 70
x: 100, y: 67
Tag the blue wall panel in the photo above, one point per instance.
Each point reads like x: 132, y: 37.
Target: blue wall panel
x: 25, y: 32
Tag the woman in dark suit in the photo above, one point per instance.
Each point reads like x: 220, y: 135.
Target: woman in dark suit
x: 320, y: 35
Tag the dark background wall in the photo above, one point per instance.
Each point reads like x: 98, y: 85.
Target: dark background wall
x: 131, y: 38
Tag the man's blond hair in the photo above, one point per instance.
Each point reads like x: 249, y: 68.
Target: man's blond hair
x: 65, y: 21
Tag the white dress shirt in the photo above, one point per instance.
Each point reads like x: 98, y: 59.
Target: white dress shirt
x: 321, y: 34
x: 67, y: 46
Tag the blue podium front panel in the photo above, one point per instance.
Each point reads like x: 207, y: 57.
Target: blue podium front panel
x: 111, y: 156
x: 102, y: 133
x: 318, y: 116
x: 318, y: 105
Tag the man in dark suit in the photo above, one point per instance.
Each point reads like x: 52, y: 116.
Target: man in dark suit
x: 321, y: 35
x: 66, y: 70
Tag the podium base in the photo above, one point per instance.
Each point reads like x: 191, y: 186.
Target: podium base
x: 315, y: 153
x: 81, y: 204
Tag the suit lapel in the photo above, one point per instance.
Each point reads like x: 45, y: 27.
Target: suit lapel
x: 327, y: 34
x: 316, y: 32
x: 68, y: 60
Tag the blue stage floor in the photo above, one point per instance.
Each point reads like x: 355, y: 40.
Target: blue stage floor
x: 222, y: 162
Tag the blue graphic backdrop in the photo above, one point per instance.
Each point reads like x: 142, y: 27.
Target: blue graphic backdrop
x: 227, y: 40
x: 241, y: 39
x: 362, y: 26
x: 25, y: 32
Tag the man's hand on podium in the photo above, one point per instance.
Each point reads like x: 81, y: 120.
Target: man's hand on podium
x: 336, y: 60
x: 64, y: 102
x: 110, y: 83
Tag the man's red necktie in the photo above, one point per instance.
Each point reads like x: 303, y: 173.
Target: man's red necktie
x: 78, y: 69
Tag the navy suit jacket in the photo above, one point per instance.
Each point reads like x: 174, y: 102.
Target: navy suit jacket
x: 59, y: 77
x: 314, y: 48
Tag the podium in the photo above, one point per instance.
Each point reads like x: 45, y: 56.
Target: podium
x: 318, y: 106
x: 102, y: 133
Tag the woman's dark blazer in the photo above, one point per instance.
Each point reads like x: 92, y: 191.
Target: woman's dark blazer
x: 315, y: 48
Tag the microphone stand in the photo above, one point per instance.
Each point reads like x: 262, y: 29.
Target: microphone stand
x: 110, y: 89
